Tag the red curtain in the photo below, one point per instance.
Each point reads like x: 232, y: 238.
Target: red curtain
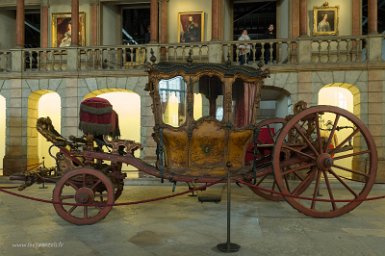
x: 244, y: 104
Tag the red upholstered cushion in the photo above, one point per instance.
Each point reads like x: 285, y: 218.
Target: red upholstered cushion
x: 97, y: 117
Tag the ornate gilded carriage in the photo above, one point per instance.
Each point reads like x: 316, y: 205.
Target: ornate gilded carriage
x: 205, y: 129
x: 204, y: 116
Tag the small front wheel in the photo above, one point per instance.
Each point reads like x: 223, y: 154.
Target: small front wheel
x: 85, y: 186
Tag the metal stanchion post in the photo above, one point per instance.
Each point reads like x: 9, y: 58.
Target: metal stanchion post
x: 228, y: 246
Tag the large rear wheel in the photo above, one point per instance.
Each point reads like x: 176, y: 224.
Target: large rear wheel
x: 330, y: 158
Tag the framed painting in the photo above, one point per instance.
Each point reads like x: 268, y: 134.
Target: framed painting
x: 62, y: 28
x: 325, y: 20
x: 191, y: 27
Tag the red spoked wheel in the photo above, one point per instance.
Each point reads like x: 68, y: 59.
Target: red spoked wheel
x: 341, y: 175
x: 268, y: 132
x: 83, y: 186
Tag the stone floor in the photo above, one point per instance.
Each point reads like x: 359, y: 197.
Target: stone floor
x: 183, y: 226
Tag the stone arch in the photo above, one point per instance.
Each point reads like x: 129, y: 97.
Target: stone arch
x: 128, y: 106
x: 356, y: 109
x: 353, y: 90
x: 128, y: 111
x: 33, y: 149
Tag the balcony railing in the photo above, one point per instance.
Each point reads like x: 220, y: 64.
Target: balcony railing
x: 275, y: 52
x: 338, y: 49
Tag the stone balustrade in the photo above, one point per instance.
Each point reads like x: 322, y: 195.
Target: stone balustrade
x: 272, y: 52
x: 338, y: 49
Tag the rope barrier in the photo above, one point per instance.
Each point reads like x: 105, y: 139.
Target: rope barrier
x: 308, y: 198
x: 5, y: 190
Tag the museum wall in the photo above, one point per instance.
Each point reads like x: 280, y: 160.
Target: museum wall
x: 282, y: 26
x: 7, y: 28
x: 111, y: 23
x: 176, y: 6
x: 228, y: 20
x: 344, y: 19
x: 62, y: 6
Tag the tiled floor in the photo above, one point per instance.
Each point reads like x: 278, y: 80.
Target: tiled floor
x: 182, y: 226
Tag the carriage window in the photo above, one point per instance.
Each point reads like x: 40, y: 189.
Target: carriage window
x: 172, y: 94
x: 243, y: 98
x: 208, y: 98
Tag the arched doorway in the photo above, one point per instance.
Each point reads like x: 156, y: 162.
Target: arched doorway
x: 345, y: 96
x: 275, y: 102
x: 2, y: 131
x: 42, y: 103
x: 128, y: 107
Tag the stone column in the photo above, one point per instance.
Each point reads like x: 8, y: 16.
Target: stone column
x: 164, y: 22
x: 294, y: 33
x: 15, y: 159
x: 372, y: 16
x: 44, y: 24
x: 154, y: 21
x: 217, y: 17
x: 303, y: 17
x: 75, y: 22
x: 94, y: 14
x: 20, y: 23
x: 356, y: 13
x: 375, y: 116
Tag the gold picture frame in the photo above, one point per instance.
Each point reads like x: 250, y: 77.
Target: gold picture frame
x: 325, y: 20
x: 61, y: 29
x: 191, y: 27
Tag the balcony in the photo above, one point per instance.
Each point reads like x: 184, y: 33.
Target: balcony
x: 309, y: 53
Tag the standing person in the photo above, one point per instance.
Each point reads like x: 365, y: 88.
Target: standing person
x: 147, y: 35
x: 244, y: 49
x: 270, y: 34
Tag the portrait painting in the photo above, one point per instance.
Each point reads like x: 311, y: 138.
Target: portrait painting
x: 325, y: 20
x: 62, y: 29
x: 190, y: 27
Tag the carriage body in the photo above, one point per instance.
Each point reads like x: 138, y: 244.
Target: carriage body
x: 204, y: 117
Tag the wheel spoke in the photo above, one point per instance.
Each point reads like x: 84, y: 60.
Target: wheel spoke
x: 72, y: 208
x: 72, y: 184
x: 287, y: 183
x: 352, y: 154
x: 307, y: 140
x: 63, y: 197
x: 298, y: 152
x: 303, y: 184
x: 294, y: 170
x: 85, y: 211
x: 343, y: 183
x: 84, y: 179
x: 261, y: 180
x: 316, y: 188
x: 349, y: 170
x: 330, y: 192
x: 273, y: 188
x: 96, y: 183
x: 344, y: 141
x: 318, y: 133
x: 331, y: 135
